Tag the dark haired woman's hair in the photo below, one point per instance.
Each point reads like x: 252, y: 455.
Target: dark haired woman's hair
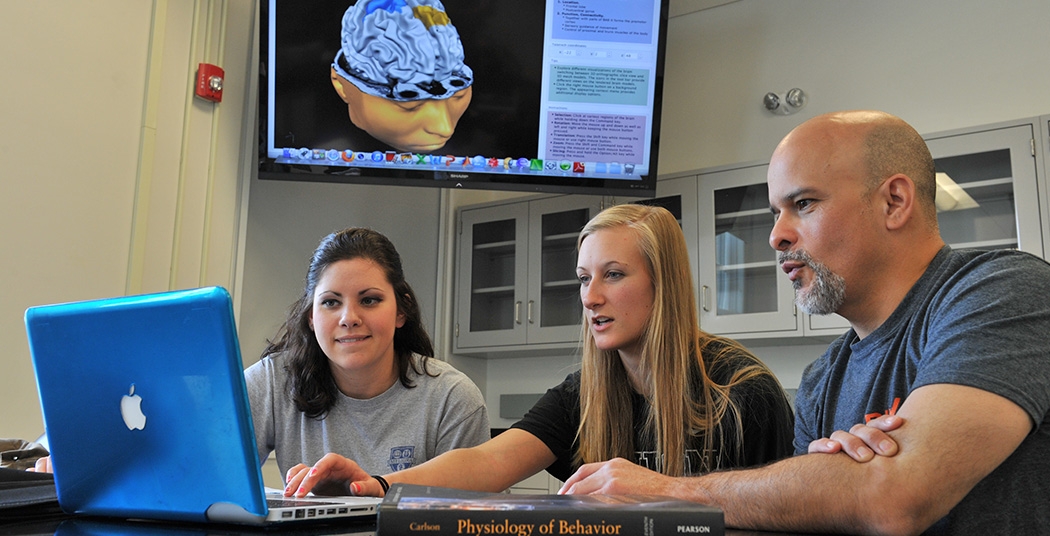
x: 313, y: 387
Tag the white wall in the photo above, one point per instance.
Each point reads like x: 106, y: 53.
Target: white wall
x: 286, y: 220
x: 939, y: 64
x: 115, y: 181
x: 56, y: 243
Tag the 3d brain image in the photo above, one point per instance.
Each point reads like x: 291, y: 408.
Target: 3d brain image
x: 402, y: 50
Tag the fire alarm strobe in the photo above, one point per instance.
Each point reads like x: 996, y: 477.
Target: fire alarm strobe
x: 209, y: 82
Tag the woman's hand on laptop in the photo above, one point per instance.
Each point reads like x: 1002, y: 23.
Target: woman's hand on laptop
x: 331, y: 475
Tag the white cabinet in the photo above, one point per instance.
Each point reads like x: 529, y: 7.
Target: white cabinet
x: 988, y: 198
x: 742, y: 292
x: 988, y: 195
x: 678, y: 196
x: 741, y: 288
x: 517, y: 290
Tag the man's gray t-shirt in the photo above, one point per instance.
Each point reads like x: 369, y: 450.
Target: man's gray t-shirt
x: 395, y: 430
x: 975, y: 318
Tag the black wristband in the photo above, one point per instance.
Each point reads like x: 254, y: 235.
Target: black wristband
x: 382, y: 483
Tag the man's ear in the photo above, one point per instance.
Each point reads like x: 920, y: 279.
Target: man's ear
x: 898, y: 200
x: 337, y: 83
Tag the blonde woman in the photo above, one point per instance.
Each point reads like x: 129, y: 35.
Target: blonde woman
x: 653, y: 389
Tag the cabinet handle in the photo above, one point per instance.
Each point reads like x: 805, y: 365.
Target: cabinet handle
x: 703, y: 299
x: 517, y: 312
x: 529, y: 311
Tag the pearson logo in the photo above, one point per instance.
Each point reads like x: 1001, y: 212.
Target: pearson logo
x: 694, y: 529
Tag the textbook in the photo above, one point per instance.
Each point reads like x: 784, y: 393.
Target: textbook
x: 428, y: 510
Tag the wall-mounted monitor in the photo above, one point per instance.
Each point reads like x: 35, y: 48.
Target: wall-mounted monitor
x: 527, y: 95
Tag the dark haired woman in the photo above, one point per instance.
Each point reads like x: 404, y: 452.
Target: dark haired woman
x: 350, y: 370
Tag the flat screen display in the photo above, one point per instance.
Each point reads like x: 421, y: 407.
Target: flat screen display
x: 527, y: 95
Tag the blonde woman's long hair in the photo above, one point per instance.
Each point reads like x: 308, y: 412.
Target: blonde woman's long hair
x: 671, y: 361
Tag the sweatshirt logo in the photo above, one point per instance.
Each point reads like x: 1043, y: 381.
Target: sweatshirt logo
x: 402, y: 458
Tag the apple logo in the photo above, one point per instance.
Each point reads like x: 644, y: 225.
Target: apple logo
x: 131, y: 410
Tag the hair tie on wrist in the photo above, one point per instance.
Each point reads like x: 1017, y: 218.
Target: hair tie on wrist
x: 382, y: 483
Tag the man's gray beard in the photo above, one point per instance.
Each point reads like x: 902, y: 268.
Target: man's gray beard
x: 826, y: 293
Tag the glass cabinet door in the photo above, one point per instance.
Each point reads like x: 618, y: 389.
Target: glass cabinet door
x: 678, y: 196
x: 741, y: 287
x: 553, y: 310
x: 987, y: 197
x: 517, y: 280
x: 492, y: 244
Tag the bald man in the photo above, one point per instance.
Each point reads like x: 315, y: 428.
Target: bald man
x: 932, y: 414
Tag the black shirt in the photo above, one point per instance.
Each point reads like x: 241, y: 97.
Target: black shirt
x: 765, y: 414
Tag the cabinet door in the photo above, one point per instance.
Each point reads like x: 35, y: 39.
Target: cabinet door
x: 987, y: 194
x: 678, y: 196
x: 741, y: 288
x: 553, y: 312
x: 492, y: 276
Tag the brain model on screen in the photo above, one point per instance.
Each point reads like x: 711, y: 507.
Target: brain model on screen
x: 401, y: 72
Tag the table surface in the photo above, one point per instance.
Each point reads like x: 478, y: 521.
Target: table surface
x: 78, y: 525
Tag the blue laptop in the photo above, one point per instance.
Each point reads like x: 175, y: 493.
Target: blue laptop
x: 147, y: 414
